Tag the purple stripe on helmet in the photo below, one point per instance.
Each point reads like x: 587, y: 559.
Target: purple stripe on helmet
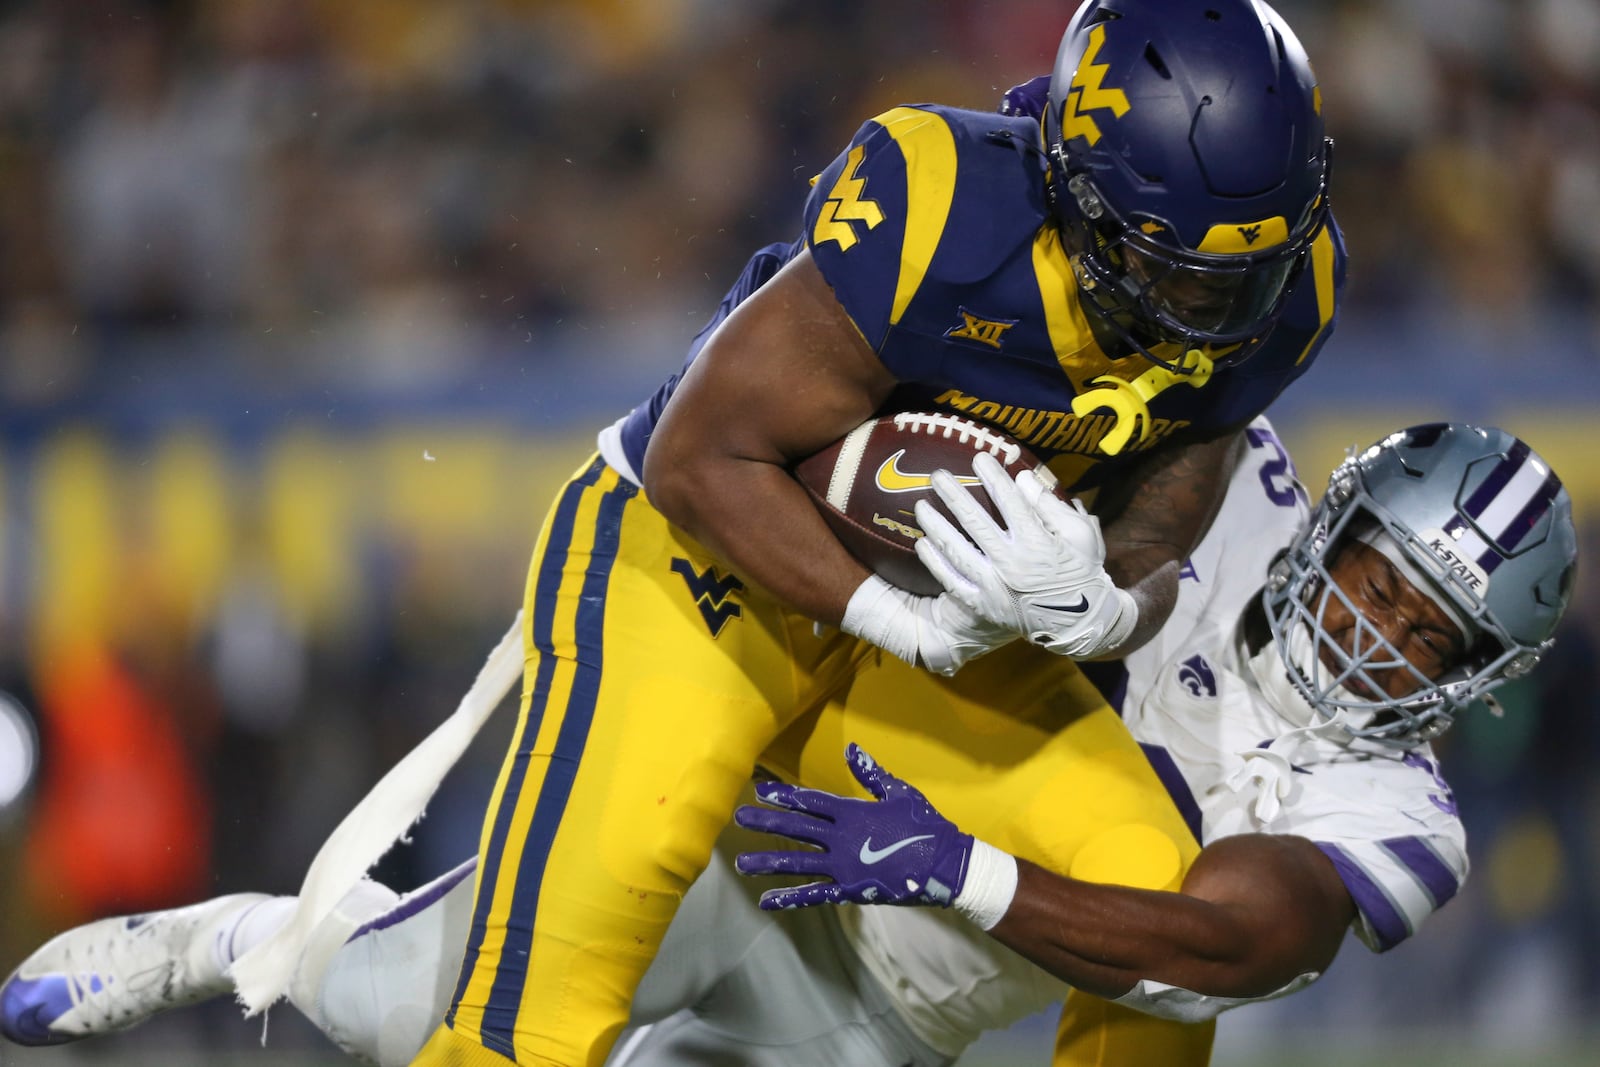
x: 1418, y: 857
x: 1471, y: 544
x: 1166, y: 769
x: 1388, y: 921
x: 419, y: 901
x: 1509, y: 538
x: 1503, y: 472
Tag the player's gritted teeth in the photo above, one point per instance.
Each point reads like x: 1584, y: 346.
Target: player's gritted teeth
x: 1407, y: 618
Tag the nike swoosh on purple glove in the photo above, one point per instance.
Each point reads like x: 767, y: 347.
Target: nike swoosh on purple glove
x: 895, y: 849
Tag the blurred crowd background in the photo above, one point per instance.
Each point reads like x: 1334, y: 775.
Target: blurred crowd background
x: 307, y: 305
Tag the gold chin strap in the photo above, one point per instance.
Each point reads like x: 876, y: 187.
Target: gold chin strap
x: 1129, y: 401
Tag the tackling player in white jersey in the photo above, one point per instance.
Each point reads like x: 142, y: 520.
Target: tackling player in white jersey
x: 1291, y: 724
x: 1287, y: 704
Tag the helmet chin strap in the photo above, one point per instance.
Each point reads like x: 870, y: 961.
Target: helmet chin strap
x: 1120, y: 332
x: 1269, y: 670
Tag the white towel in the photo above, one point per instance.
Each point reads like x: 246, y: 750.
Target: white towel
x: 262, y: 975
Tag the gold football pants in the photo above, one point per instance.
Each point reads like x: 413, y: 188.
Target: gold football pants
x: 655, y: 683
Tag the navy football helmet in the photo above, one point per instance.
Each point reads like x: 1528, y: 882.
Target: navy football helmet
x: 1188, y: 167
x: 1470, y: 516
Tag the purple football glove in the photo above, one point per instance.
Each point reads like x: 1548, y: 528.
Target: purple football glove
x: 1030, y: 98
x: 894, y: 850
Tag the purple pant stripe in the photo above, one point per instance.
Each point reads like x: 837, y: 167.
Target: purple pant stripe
x: 420, y: 900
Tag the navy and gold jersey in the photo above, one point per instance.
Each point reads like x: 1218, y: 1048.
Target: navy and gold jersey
x: 934, y: 231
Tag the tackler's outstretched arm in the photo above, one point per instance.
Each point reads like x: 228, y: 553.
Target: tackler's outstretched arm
x: 1257, y: 915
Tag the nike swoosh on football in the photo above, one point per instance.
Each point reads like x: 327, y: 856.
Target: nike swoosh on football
x: 1072, y: 609
x: 870, y: 855
x: 891, y: 479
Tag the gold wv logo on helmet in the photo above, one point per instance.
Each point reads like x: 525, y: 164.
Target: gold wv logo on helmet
x: 1088, y: 93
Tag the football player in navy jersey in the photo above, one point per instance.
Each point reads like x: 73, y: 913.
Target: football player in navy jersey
x: 1121, y: 282
x: 1121, y: 285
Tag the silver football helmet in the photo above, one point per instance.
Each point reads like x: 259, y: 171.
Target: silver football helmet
x: 1474, y: 519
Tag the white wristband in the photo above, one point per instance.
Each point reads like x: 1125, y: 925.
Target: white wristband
x: 1122, y: 626
x: 877, y: 614
x: 991, y: 885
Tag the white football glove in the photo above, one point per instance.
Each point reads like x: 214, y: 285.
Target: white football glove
x: 936, y: 632
x: 1042, y: 574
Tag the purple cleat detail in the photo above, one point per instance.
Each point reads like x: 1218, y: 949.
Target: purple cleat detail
x: 28, y: 1007
x: 111, y: 974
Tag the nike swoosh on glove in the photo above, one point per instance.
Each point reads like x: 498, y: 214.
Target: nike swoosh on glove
x: 896, y: 849
x: 1042, y: 573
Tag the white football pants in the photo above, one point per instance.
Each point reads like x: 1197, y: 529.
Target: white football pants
x: 732, y: 986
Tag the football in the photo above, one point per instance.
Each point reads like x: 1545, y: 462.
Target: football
x: 867, y: 483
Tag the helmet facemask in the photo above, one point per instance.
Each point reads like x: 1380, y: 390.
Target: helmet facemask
x: 1152, y: 294
x: 1345, y: 681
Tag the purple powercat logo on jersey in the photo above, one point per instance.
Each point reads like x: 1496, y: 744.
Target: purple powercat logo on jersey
x: 1197, y: 677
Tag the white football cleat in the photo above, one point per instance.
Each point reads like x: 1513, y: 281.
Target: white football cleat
x: 111, y: 974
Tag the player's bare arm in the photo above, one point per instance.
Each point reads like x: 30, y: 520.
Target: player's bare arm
x: 1154, y: 518
x: 786, y: 374
x: 1255, y: 912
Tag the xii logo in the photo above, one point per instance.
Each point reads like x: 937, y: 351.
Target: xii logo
x: 990, y: 332
x: 713, y: 594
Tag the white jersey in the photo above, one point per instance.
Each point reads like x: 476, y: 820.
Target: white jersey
x: 1233, y: 763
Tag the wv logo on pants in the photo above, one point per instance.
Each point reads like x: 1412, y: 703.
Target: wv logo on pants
x: 713, y: 594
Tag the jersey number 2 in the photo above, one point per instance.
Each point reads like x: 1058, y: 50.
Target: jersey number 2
x: 1278, y: 475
